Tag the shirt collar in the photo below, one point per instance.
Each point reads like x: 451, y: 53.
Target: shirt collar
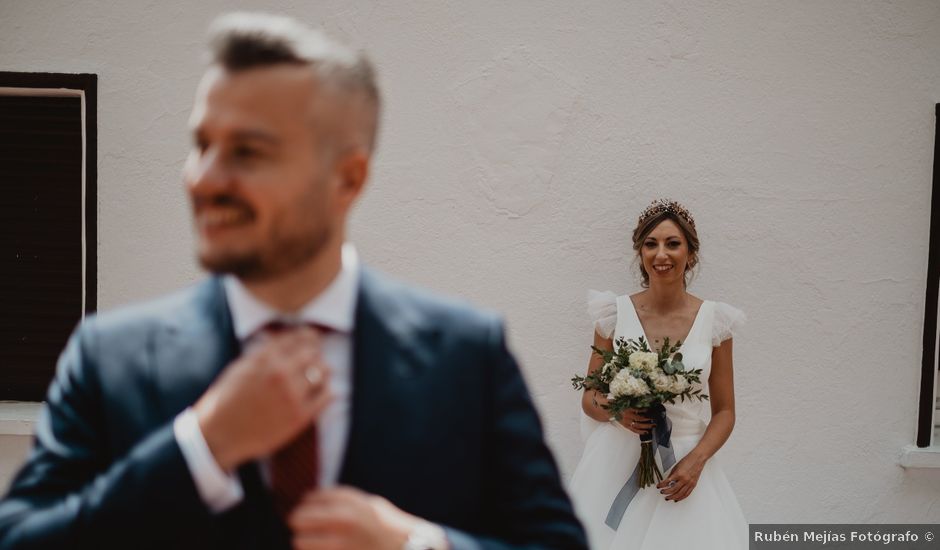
x: 335, y: 307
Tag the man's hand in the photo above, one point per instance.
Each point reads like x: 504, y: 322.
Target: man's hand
x: 346, y: 518
x: 264, y: 398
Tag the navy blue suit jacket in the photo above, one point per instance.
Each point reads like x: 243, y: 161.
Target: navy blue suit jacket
x: 442, y: 425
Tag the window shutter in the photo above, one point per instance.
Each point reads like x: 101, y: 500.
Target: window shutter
x: 40, y: 238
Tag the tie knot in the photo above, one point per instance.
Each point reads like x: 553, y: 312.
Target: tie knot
x: 281, y: 325
x: 277, y: 326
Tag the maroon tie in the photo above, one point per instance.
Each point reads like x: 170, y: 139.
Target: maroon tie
x: 295, y: 467
x: 295, y: 470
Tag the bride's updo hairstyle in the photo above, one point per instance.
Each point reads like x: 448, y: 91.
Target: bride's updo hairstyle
x: 655, y: 213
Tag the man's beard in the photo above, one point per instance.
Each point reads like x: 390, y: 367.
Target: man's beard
x: 281, y: 254
x: 288, y: 246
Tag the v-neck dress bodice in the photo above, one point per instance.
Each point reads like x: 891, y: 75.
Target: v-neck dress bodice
x: 688, y: 417
x: 710, y: 518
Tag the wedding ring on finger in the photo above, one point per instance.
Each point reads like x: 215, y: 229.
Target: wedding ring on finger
x: 672, y: 484
x: 313, y: 375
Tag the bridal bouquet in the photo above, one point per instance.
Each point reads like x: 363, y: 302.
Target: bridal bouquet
x: 634, y: 377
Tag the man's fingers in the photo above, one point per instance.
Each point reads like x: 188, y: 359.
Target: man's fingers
x: 317, y: 541
x: 324, y: 514
x: 303, y: 339
x: 302, y: 368
x: 317, y: 378
x: 318, y: 403
x: 290, y: 341
x: 296, y: 349
x: 333, y: 496
x: 309, y: 518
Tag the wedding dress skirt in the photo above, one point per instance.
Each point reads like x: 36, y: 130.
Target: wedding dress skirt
x: 709, y: 519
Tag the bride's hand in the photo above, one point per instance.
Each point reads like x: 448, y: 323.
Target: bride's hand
x: 682, y: 479
x: 636, y: 421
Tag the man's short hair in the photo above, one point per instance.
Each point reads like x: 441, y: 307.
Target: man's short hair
x: 240, y: 41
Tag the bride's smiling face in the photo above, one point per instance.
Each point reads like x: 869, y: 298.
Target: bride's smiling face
x: 665, y: 253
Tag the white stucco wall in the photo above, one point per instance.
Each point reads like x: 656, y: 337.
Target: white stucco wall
x: 520, y: 141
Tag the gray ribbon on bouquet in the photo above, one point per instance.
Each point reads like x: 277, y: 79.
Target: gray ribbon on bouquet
x: 662, y: 431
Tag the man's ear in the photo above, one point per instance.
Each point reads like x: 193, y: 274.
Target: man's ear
x: 353, y: 171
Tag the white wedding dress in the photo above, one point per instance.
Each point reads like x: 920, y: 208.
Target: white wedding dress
x: 710, y: 517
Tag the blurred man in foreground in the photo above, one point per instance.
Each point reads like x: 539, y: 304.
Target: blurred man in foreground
x: 294, y: 398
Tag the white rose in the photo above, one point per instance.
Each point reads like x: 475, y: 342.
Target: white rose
x: 625, y: 384
x: 660, y: 381
x: 679, y: 385
x: 644, y: 360
x: 637, y: 387
x: 618, y: 386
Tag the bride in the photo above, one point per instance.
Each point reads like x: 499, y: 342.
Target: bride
x: 694, y: 506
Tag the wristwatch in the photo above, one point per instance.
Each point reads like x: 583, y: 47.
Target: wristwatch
x: 426, y: 536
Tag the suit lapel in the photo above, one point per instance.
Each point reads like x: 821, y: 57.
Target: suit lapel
x: 191, y: 350
x: 390, y: 353
x: 193, y: 347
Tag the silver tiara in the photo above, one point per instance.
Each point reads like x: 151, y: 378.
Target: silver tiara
x: 659, y: 206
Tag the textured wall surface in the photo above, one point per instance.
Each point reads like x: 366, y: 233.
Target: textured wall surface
x: 521, y: 139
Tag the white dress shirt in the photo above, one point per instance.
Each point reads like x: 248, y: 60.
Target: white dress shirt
x: 335, y: 307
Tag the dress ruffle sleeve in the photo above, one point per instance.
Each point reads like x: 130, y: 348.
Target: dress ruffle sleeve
x: 728, y: 321
x: 602, y: 308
